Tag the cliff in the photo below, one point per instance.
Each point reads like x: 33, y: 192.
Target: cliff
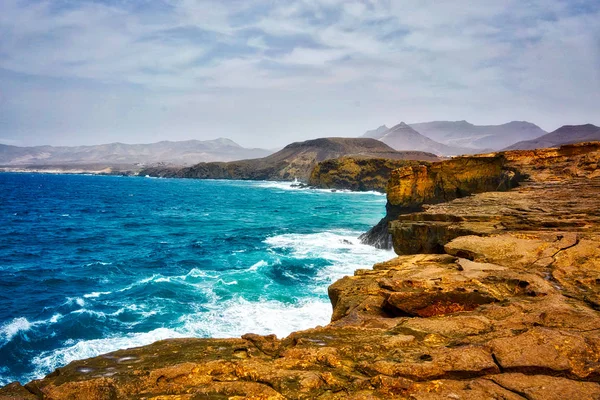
x: 506, y: 305
x: 413, y: 188
x: 295, y: 161
x: 356, y: 173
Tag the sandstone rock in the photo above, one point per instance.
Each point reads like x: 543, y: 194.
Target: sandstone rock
x: 356, y: 173
x: 415, y: 194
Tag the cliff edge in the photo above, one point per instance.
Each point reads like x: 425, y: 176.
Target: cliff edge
x: 495, y: 295
x: 356, y: 173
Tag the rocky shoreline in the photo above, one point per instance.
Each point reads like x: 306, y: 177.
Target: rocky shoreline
x: 495, y: 294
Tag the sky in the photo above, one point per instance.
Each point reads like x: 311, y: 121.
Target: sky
x: 266, y: 73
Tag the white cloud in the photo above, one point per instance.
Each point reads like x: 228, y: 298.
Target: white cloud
x: 314, y: 68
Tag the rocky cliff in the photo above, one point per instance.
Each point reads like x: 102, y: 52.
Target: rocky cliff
x: 357, y: 173
x: 295, y: 161
x: 504, y: 305
x: 414, y: 188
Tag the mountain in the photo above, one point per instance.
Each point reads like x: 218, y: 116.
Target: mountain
x: 295, y: 161
x: 182, y: 153
x: 564, y: 135
x: 404, y: 137
x: 376, y: 133
x: 480, y: 137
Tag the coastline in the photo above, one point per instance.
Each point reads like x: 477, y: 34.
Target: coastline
x: 503, y: 304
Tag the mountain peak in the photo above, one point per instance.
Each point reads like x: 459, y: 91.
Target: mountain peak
x: 224, y: 141
x: 376, y: 133
x: 402, y: 125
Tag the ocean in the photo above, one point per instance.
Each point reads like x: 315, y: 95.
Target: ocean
x: 92, y: 264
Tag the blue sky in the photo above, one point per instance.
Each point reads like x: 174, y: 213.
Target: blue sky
x: 265, y: 73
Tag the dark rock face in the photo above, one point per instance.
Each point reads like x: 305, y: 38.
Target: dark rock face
x: 358, y: 174
x: 508, y: 309
x: 295, y: 161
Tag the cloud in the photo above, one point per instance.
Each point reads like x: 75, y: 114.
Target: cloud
x: 265, y: 72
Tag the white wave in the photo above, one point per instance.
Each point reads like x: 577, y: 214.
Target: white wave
x: 12, y: 328
x: 277, y: 185
x: 94, y: 295
x: 20, y: 325
x: 282, y: 185
x: 341, y: 248
x: 49, y: 360
x: 131, y: 307
x: 55, y: 318
x: 75, y: 300
x: 98, y: 314
x: 234, y: 282
x: 154, y: 277
x: 198, y: 273
x: 256, y: 266
x: 97, y: 263
x: 238, y: 316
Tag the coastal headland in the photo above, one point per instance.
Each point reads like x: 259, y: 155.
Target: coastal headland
x: 495, y: 294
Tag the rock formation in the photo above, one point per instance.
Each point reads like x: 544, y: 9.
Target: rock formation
x: 495, y: 295
x: 295, y: 161
x: 357, y: 173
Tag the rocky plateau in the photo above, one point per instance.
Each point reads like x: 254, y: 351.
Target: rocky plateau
x: 495, y: 294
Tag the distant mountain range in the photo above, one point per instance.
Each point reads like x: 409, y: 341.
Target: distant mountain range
x: 179, y: 153
x: 295, y: 161
x: 465, y: 134
x: 564, y: 135
x: 404, y: 137
x: 455, y: 137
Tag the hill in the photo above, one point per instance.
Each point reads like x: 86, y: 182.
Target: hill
x: 295, y: 161
x: 567, y: 134
x: 181, y: 153
x: 479, y: 137
x: 404, y: 137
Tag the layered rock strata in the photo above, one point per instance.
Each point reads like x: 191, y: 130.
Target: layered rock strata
x: 507, y: 309
x: 356, y: 173
x: 414, y: 189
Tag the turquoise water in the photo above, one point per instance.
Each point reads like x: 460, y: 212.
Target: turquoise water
x: 91, y: 264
